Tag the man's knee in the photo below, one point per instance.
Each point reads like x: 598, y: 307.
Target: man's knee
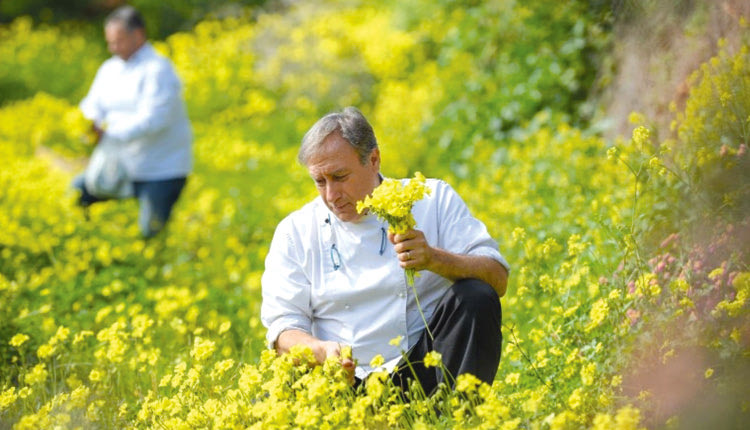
x: 473, y: 295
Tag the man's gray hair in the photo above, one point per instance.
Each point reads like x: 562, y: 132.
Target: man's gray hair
x: 128, y: 16
x: 353, y: 127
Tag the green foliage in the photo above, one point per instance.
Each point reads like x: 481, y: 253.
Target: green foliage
x: 713, y: 135
x: 61, y: 61
x: 163, y: 17
x: 690, y: 287
x: 502, y: 62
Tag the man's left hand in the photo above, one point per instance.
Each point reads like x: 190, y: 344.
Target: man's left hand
x: 412, y: 249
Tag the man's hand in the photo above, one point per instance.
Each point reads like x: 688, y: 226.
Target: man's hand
x: 326, y: 348
x: 321, y: 349
x: 412, y: 250
x: 97, y: 133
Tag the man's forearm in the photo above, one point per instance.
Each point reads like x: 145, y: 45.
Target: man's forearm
x: 415, y: 253
x: 321, y: 349
x: 289, y: 338
x: 455, y: 266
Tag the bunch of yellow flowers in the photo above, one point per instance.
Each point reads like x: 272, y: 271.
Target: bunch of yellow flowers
x: 392, y: 202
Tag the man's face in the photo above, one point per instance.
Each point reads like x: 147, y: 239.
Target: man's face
x: 340, y: 178
x: 122, y: 42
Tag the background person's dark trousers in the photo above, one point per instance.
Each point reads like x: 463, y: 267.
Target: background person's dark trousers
x: 466, y: 329
x: 155, y: 201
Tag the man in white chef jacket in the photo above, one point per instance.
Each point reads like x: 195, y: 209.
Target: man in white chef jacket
x: 136, y: 104
x: 335, y: 277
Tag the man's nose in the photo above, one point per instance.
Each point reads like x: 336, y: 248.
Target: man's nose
x: 333, y: 191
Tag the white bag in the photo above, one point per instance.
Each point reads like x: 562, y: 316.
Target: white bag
x: 105, y: 176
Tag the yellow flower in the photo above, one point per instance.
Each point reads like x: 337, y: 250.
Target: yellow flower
x: 221, y: 367
x: 575, y: 246
x: 60, y: 336
x: 716, y: 273
x: 202, y: 348
x: 598, y: 313
x: 224, y: 327
x: 18, y: 340
x: 346, y: 351
x: 165, y: 380
x: 616, y: 381
x: 575, y: 400
x: 7, y: 398
x: 467, y: 383
x: 396, y: 341
x: 512, y: 378
x: 603, y: 422
x: 394, y: 413
x: 587, y: 374
x: 96, y: 375
x: 392, y: 202
x: 377, y: 361
x: 641, y: 135
x: 627, y: 418
x: 24, y: 392
x: 433, y: 359
x: 45, y: 351
x: 709, y: 373
x: 37, y: 375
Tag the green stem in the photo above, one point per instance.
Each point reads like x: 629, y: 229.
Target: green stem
x: 410, y: 281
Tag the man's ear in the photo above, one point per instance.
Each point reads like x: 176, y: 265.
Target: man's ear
x: 141, y: 33
x: 375, y: 159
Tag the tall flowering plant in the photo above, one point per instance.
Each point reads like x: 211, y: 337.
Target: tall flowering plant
x: 392, y: 202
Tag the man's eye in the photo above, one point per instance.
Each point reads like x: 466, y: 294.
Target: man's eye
x: 340, y: 177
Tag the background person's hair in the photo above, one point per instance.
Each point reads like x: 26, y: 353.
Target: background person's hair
x: 128, y: 16
x: 353, y: 127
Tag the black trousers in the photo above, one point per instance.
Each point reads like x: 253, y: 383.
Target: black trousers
x: 155, y: 201
x: 466, y: 329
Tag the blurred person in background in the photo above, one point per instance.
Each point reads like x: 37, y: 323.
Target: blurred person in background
x: 333, y: 280
x: 135, y: 102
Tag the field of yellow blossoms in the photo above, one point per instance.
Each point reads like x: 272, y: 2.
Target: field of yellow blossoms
x: 628, y: 305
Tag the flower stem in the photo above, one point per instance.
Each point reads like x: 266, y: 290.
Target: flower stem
x: 410, y: 281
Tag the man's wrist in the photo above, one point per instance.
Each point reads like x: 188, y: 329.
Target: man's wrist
x: 439, y: 259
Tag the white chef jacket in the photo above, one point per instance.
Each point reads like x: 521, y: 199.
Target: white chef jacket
x: 341, y: 281
x: 139, y: 104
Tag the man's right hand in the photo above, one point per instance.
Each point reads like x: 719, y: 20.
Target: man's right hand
x: 321, y: 349
x: 327, y: 349
x: 97, y: 132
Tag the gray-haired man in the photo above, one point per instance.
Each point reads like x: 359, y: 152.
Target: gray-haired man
x: 335, y: 277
